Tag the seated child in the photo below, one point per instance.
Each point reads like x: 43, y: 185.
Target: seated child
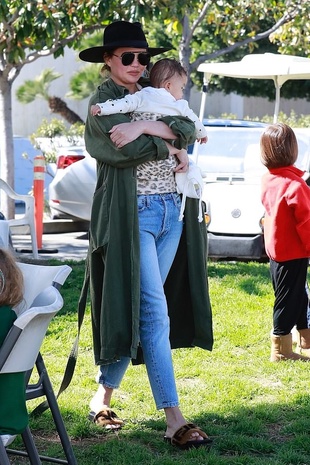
x: 13, y: 412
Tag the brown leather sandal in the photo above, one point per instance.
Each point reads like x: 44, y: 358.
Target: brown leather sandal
x: 182, y: 437
x: 106, y: 418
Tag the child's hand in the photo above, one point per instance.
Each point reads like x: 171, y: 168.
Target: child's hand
x: 95, y: 110
x: 203, y: 140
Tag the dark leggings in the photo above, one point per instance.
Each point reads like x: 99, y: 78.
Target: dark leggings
x: 291, y: 300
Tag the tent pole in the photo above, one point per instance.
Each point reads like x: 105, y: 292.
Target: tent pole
x: 277, y: 104
x: 201, y: 115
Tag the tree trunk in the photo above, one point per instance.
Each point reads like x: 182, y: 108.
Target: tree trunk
x: 185, y: 55
x: 57, y: 105
x: 7, y: 206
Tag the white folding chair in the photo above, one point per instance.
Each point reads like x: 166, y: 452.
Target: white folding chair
x: 27, y: 219
x: 4, y: 234
x: 20, y: 350
x: 36, y: 279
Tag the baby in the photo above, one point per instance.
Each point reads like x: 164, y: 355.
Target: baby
x: 165, y: 97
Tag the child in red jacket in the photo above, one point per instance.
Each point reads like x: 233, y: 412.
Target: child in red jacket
x: 286, y: 199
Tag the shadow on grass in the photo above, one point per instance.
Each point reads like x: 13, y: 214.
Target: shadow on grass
x: 223, y: 269
x: 274, y: 434
x: 252, y: 277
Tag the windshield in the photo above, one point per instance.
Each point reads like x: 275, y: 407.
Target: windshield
x: 235, y: 152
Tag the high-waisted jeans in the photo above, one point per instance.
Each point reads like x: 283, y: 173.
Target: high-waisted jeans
x: 160, y: 233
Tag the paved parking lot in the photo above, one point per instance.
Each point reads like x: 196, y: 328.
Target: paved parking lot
x: 60, y: 246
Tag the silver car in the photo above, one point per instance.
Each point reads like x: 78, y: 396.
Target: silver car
x: 230, y: 163
x: 71, y: 191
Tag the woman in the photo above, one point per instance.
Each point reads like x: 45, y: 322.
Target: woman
x: 136, y: 241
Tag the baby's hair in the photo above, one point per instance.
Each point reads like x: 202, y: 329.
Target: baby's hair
x: 165, y: 69
x: 11, y: 280
x: 278, y: 146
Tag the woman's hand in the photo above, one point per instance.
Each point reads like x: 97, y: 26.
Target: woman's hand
x: 183, y: 161
x: 124, y: 133
x: 181, y: 156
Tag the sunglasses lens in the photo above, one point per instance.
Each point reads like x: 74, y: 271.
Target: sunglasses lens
x: 144, y: 58
x: 128, y: 58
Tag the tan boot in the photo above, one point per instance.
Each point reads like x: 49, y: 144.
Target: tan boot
x: 303, y: 341
x: 281, y: 349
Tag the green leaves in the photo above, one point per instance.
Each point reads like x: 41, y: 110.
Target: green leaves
x: 84, y: 82
x: 37, y: 87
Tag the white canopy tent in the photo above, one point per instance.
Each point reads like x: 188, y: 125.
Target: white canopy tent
x: 279, y: 68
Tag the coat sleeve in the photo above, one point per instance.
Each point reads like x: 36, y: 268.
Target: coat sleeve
x: 183, y: 128
x: 99, y: 145
x: 144, y: 148
x: 98, y: 142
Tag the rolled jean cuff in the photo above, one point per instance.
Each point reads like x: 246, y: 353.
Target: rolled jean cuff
x: 167, y: 405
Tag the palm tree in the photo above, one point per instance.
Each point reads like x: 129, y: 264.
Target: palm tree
x: 38, y: 88
x: 85, y: 81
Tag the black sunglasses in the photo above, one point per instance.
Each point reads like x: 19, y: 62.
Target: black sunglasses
x: 128, y: 57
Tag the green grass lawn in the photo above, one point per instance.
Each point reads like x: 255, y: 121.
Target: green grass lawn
x: 257, y: 412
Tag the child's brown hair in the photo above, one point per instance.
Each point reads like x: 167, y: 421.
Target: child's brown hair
x: 278, y: 146
x: 163, y: 70
x: 11, y: 280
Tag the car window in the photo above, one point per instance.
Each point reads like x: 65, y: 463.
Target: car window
x: 236, y: 151
x: 303, y: 138
x: 226, y: 149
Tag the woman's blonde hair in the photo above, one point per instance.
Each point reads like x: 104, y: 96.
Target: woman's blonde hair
x: 278, y: 146
x: 105, y: 69
x: 11, y: 280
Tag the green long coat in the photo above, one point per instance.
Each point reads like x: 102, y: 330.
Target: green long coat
x: 113, y: 262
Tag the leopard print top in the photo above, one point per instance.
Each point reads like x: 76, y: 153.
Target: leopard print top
x: 155, y: 177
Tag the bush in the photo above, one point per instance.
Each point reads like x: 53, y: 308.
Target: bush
x: 50, y: 135
x: 303, y: 121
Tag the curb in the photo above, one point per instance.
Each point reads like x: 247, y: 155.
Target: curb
x: 55, y: 227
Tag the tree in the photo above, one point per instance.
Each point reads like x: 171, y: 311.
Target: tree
x: 219, y: 30
x: 39, y: 87
x: 32, y: 29
x: 211, y: 30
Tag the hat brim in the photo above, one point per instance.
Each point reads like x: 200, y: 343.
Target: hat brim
x: 95, y: 54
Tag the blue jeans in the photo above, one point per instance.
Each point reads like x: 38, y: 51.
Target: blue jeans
x: 160, y: 233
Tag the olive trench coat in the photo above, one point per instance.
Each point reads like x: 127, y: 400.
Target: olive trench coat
x: 113, y: 261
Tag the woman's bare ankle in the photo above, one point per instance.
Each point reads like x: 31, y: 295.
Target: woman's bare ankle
x: 101, y: 399
x: 174, y: 419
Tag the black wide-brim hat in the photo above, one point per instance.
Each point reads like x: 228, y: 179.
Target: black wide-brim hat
x: 116, y: 35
